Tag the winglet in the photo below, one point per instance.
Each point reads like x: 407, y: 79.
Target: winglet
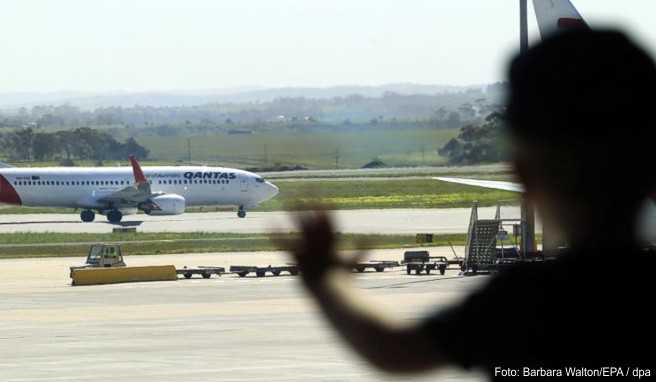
x: 557, y: 15
x: 139, y: 177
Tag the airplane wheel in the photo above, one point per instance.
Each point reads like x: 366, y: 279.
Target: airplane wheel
x: 114, y: 216
x: 87, y: 216
x: 241, y: 213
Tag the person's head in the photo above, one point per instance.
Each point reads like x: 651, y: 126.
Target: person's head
x: 582, y: 124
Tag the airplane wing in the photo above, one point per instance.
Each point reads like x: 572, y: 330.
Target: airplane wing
x: 557, y: 15
x: 494, y: 184
x: 131, y: 196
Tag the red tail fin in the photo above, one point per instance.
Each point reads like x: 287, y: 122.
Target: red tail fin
x: 139, y: 177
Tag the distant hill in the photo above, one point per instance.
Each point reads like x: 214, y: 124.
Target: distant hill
x: 176, y: 98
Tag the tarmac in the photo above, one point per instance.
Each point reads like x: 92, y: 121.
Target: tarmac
x: 375, y: 221
x: 218, y: 329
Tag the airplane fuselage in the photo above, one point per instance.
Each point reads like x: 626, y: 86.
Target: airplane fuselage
x: 86, y: 187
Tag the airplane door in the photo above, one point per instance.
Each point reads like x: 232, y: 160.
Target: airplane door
x: 244, y: 184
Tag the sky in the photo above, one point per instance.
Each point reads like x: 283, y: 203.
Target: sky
x: 162, y: 45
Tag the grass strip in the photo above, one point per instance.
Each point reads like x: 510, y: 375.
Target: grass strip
x: 28, y: 245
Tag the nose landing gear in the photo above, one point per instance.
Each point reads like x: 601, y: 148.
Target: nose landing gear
x: 241, y: 212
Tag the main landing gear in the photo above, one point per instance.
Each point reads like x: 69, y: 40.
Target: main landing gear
x: 241, y: 212
x: 87, y: 216
x: 114, y: 216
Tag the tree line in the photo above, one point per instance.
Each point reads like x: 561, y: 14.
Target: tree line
x: 478, y: 143
x: 82, y: 143
x: 443, y: 110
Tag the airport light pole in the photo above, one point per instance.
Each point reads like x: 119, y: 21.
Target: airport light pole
x: 523, y: 25
x: 527, y: 209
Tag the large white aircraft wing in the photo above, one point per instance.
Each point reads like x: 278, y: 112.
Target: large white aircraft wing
x: 557, y: 15
x: 494, y: 184
x: 132, y: 195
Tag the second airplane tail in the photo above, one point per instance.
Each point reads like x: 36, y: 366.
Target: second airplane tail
x: 556, y: 15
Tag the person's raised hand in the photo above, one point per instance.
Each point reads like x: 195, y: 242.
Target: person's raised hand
x: 315, y: 250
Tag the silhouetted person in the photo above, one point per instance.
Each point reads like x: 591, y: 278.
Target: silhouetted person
x: 581, y: 120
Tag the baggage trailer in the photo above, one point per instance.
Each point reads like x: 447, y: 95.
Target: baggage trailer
x: 244, y: 270
x: 205, y: 272
x: 422, y: 261
x: 378, y: 266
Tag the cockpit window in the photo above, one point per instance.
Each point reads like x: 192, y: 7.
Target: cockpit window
x: 259, y: 180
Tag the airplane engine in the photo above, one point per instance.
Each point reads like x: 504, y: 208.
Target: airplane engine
x: 170, y: 204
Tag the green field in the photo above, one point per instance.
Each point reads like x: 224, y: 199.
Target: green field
x: 383, y: 193
x: 313, y: 149
x: 18, y: 245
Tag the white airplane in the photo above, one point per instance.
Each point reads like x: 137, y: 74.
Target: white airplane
x: 119, y: 191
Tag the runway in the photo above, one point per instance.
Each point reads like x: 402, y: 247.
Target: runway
x: 383, y: 221
x: 220, y: 329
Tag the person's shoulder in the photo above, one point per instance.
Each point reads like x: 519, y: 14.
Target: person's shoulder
x: 611, y: 258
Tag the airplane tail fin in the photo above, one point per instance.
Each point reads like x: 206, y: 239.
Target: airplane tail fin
x: 557, y: 15
x: 139, y: 177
